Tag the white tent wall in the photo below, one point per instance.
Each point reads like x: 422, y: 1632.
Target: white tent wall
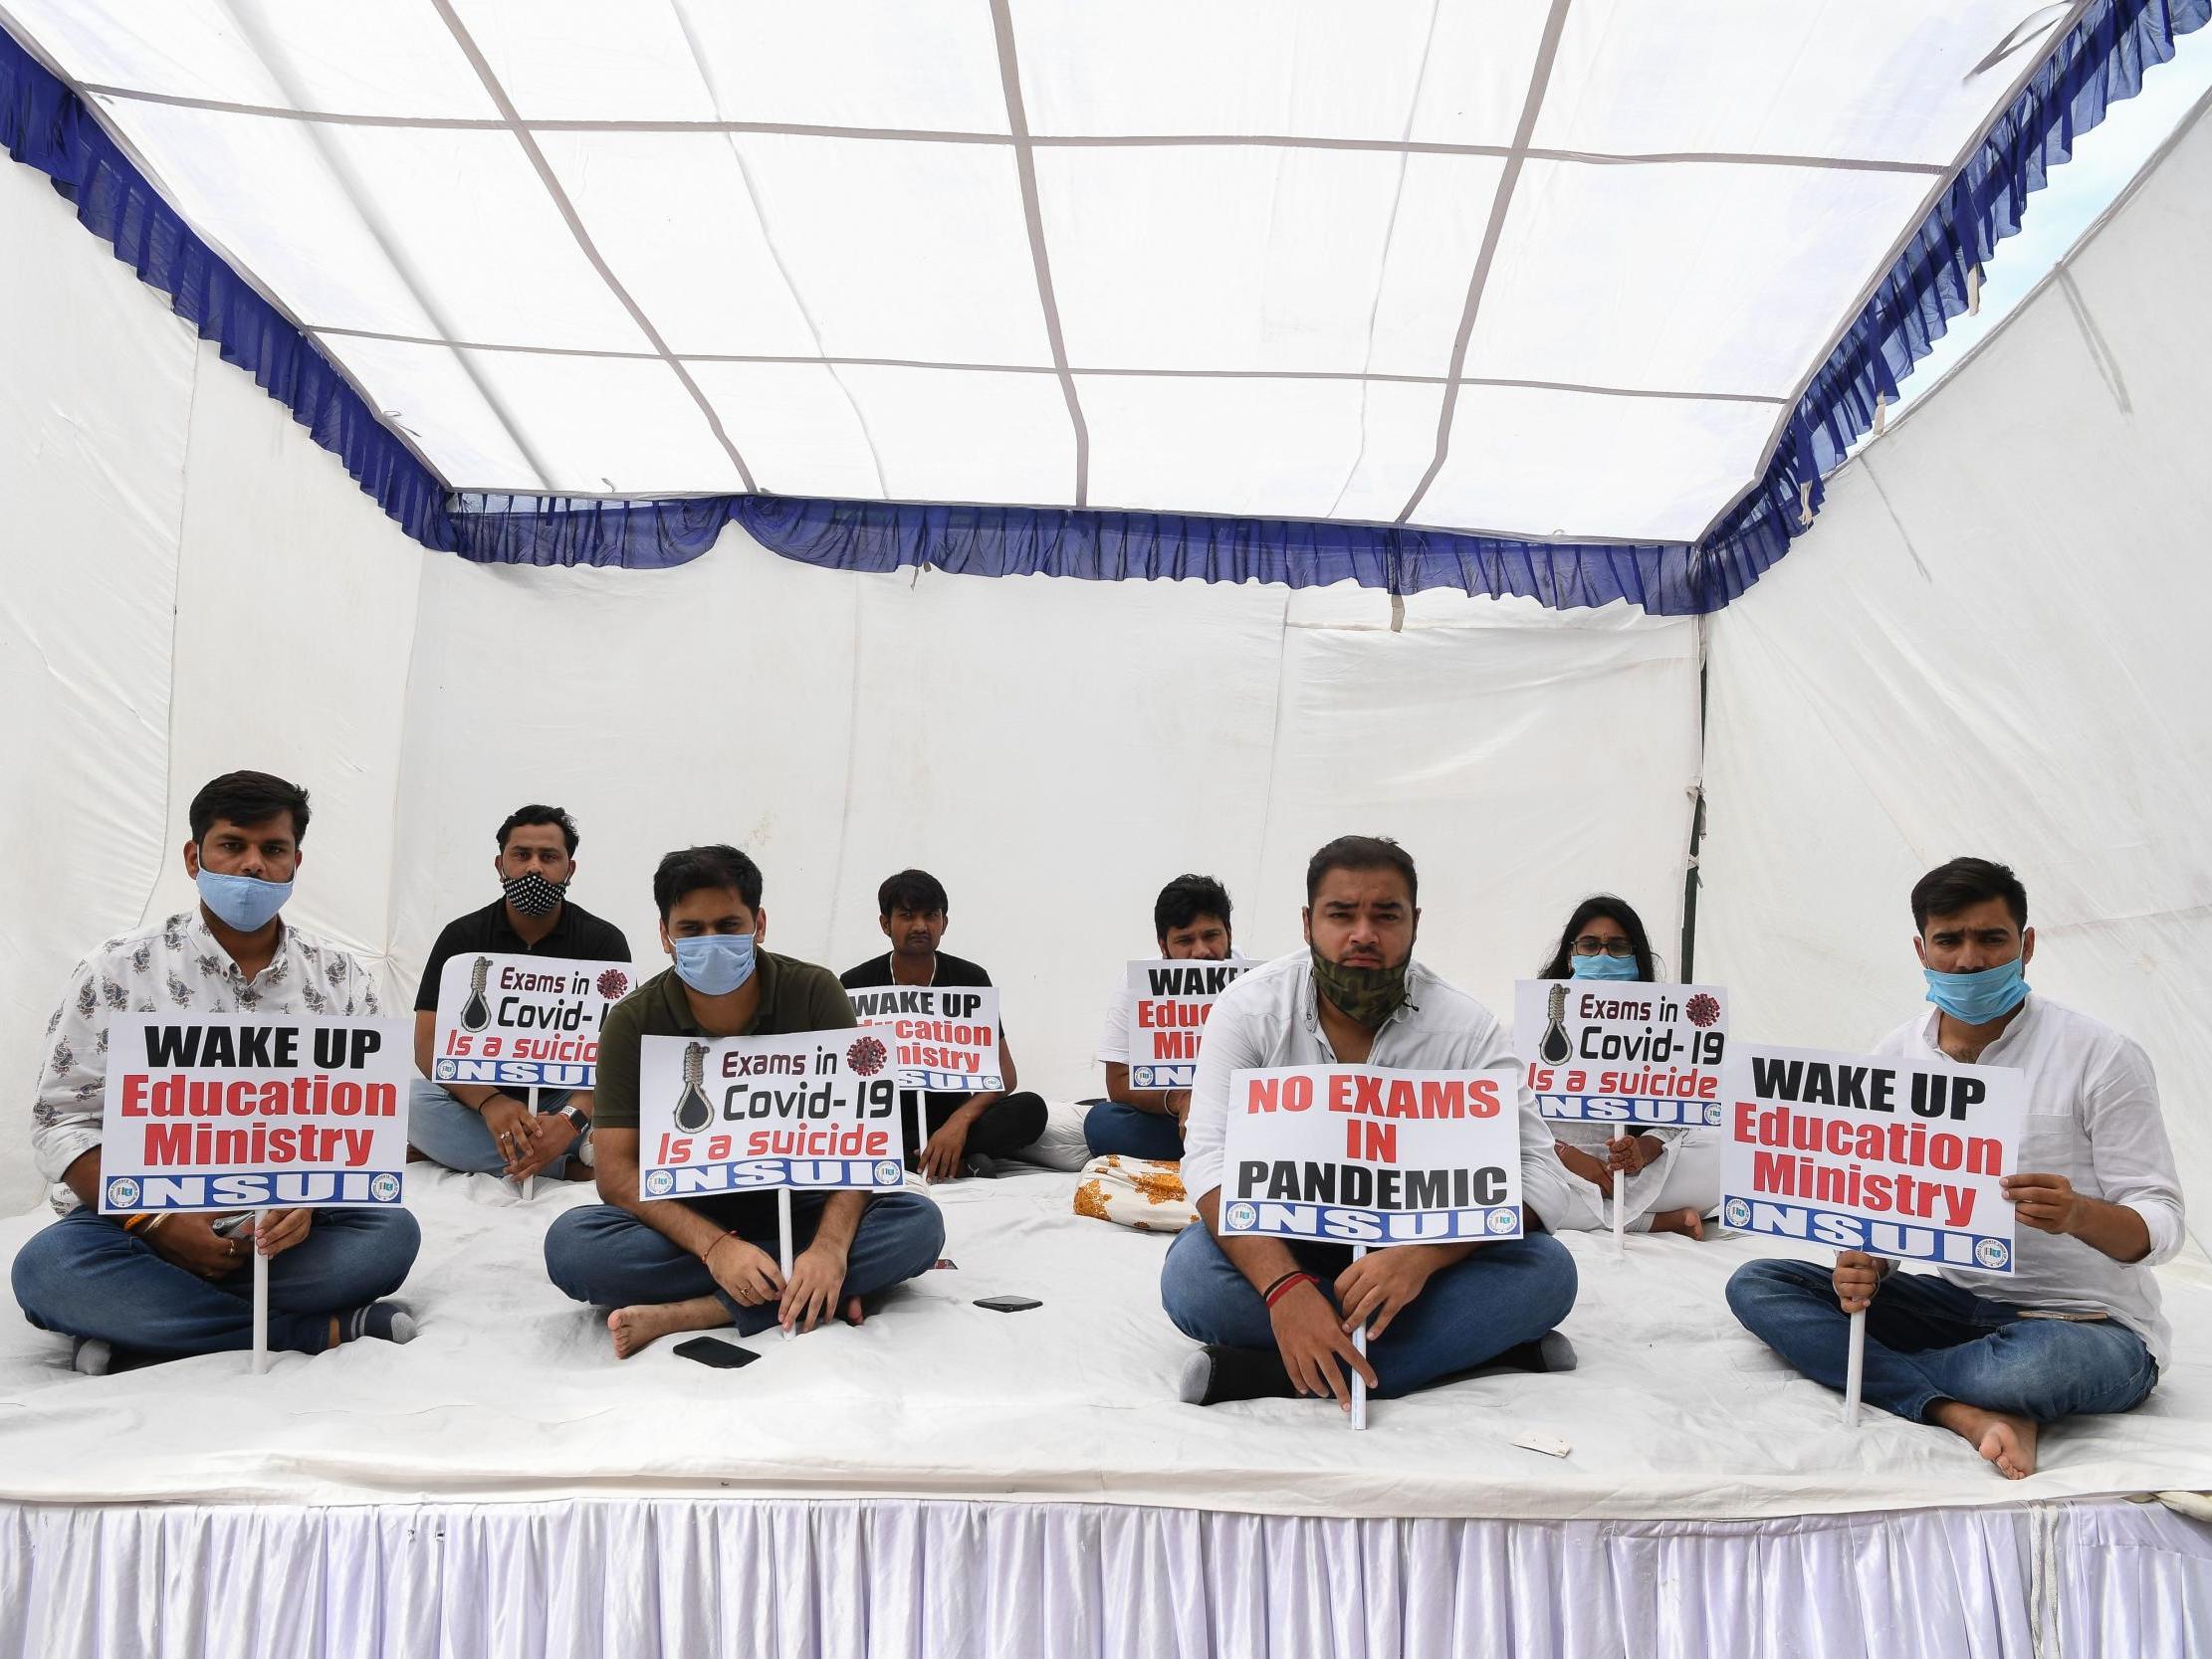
x: 191, y: 586
x: 1993, y: 643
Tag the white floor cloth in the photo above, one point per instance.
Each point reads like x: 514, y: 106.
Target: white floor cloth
x: 905, y: 1579
x: 512, y: 1392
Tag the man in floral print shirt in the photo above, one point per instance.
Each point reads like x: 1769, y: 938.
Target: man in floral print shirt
x: 175, y: 1284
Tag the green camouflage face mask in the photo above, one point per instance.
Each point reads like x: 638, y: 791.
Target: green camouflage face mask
x: 1369, y: 995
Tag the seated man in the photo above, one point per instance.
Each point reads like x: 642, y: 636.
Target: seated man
x: 170, y: 1284
x: 2076, y: 1326
x: 1278, y: 1316
x: 1190, y: 918
x: 911, y: 910
x: 692, y: 1264
x: 476, y: 1126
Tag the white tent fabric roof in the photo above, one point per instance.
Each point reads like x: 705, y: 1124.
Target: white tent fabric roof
x: 1517, y: 267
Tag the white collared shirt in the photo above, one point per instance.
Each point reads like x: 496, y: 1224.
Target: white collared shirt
x: 2093, y: 1117
x: 1269, y: 1017
x: 176, y: 964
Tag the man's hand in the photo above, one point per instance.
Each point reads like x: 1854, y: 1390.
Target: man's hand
x: 514, y: 1127
x: 810, y: 1295
x: 275, y: 1231
x: 1312, y: 1341
x: 556, y: 1134
x: 191, y: 1242
x: 745, y: 1271
x: 1633, y: 1152
x: 2047, y: 1204
x: 1857, y: 1276
x: 1580, y: 1163
x: 943, y: 1156
x: 1178, y: 1108
x: 1374, y: 1290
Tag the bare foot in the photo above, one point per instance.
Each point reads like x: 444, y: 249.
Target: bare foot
x: 633, y: 1328
x: 854, y: 1312
x: 2006, y: 1440
x: 1687, y: 1222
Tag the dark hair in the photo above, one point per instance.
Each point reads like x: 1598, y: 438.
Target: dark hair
x: 696, y: 868
x: 1362, y: 852
x: 538, y: 814
x: 1186, y: 899
x: 1601, y: 904
x: 249, y: 799
x: 1962, y: 884
x: 915, y: 891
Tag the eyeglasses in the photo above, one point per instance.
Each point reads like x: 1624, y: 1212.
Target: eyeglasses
x: 1590, y: 945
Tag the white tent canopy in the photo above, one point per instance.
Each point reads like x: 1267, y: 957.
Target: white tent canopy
x: 1520, y: 267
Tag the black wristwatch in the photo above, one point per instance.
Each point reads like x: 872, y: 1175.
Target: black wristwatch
x: 576, y: 1116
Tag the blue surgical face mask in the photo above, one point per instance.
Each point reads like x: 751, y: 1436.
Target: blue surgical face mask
x: 1978, y: 998
x: 241, y: 902
x: 1604, y: 967
x: 714, y: 965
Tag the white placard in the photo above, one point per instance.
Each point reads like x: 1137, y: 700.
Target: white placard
x: 1355, y: 1155
x: 1893, y: 1156
x: 1167, y: 1003
x: 522, y: 1023
x: 233, y: 1112
x: 1619, y: 1051
x: 814, y: 1109
x: 943, y: 1038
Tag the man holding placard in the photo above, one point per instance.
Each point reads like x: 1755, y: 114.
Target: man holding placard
x: 2068, y: 1321
x: 1278, y: 1318
x: 489, y: 1127
x: 166, y: 1282
x: 1143, y: 1118
x: 957, y: 1127
x: 665, y: 1265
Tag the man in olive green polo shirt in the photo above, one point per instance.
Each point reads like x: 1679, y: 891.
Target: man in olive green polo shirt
x: 668, y: 1265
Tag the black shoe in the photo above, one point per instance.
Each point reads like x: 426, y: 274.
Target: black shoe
x: 1218, y: 1372
x: 1549, y: 1353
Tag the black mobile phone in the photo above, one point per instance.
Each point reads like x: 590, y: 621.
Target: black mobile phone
x: 713, y: 1351
x: 1009, y: 1304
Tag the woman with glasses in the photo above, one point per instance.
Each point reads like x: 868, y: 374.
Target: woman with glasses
x: 1673, y: 1180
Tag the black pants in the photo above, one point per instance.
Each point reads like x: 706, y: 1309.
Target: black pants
x: 1008, y: 1123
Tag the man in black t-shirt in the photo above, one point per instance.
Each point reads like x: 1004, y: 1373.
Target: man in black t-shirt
x: 911, y: 908
x: 473, y: 1126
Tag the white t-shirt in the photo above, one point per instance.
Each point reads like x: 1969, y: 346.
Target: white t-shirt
x: 1113, y: 1042
x: 2093, y: 1117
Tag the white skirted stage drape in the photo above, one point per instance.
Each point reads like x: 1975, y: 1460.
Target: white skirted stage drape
x: 901, y: 1580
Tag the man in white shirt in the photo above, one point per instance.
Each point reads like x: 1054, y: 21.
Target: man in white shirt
x: 1278, y: 1316
x: 2076, y: 1326
x: 1191, y: 919
x: 172, y: 1284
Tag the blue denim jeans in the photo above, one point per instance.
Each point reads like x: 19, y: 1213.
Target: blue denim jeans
x: 86, y: 1277
x: 605, y: 1256
x: 1927, y: 1340
x: 1110, y: 1128
x: 1466, y: 1315
x: 448, y: 1133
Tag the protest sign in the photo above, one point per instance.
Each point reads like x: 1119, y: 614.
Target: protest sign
x: 1893, y: 1156
x: 522, y: 1023
x: 1357, y: 1155
x: 251, y: 1112
x: 233, y: 1112
x: 816, y: 1109
x: 1169, y: 1002
x: 940, y: 1037
x: 1619, y: 1052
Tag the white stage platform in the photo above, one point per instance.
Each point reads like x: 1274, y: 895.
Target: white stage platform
x: 950, y: 1480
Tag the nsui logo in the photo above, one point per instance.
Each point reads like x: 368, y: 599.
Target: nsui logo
x: 446, y: 1071
x: 1737, y: 1213
x: 384, y: 1188
x: 1501, y: 1221
x: 661, y: 1180
x: 1712, y: 1113
x: 889, y: 1174
x: 123, y: 1192
x: 1242, y: 1215
x: 1992, y: 1254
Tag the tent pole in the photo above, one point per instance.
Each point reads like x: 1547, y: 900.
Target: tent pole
x: 1688, y: 969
